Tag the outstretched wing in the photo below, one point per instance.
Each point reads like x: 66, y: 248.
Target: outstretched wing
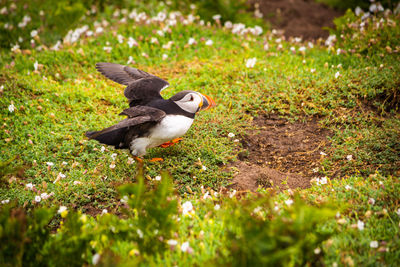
x: 137, y: 116
x: 141, y: 86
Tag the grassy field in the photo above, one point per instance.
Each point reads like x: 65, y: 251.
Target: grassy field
x: 51, y: 94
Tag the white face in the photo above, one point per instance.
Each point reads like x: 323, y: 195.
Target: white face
x: 191, y: 102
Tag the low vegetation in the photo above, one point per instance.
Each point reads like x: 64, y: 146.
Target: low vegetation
x: 66, y: 200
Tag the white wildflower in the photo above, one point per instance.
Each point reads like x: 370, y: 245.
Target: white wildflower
x: 185, y: 247
x: 251, y: 62
x: 29, y: 186
x: 62, y: 209
x: 232, y: 194
x: 50, y: 163
x: 374, y: 244
x: 99, y: 30
x: 4, y: 11
x: 358, y: 11
x: 209, y: 42
x: 257, y: 30
x: 132, y: 42
x: 124, y: 199
x: 288, y: 202
x: 312, y: 70
x: 337, y: 74
x: 172, y: 242
x: 160, y: 33
x: 140, y: 233
x: 112, y: 166
x: 187, y: 208
x: 216, y: 17
x: 330, y: 40
x: 360, y: 225
x: 5, y: 201
x: 164, y: 56
x: 371, y: 201
x: 322, y: 153
x: 191, y: 41
x: 230, y: 135
x: 154, y: 40
x: 104, y: 211
x: 130, y: 160
x: 293, y: 49
x: 228, y: 24
x: 158, y: 178
x: 36, y: 65
x: 11, y: 108
x: 322, y: 180
x: 302, y: 49
x: 61, y: 175
x: 168, y: 45
x: 56, y: 47
x: 349, y: 157
x: 77, y: 182
x: 44, y: 196
x: 217, y: 207
x: 317, y: 250
x: 114, y: 156
x: 310, y: 45
x: 34, y: 33
x: 347, y: 187
x: 257, y: 209
x: 38, y: 199
x: 130, y: 60
x: 204, y: 168
x: 96, y: 259
x: 120, y: 38
x: 375, y: 7
x: 107, y: 49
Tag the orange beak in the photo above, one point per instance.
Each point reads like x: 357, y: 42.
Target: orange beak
x: 207, y: 102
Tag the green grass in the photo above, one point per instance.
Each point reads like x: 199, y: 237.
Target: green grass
x: 65, y: 97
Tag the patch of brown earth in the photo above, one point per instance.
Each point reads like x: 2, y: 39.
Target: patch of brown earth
x: 298, y: 18
x: 280, y: 153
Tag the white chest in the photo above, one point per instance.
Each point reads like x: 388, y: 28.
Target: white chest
x: 171, y: 127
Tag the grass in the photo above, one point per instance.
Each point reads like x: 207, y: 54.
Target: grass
x: 43, y: 140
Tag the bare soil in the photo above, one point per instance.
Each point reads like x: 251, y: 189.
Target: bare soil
x: 280, y: 153
x: 298, y: 18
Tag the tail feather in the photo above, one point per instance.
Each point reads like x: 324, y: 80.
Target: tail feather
x: 113, y: 138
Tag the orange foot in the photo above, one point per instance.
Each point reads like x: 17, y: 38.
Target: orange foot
x: 156, y: 159
x: 138, y: 159
x: 171, y: 143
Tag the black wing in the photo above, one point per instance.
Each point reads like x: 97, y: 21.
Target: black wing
x: 142, y: 87
x: 139, y: 118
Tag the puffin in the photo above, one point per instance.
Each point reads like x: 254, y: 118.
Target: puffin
x: 151, y: 120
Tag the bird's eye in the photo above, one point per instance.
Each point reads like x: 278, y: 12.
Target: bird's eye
x: 191, y: 98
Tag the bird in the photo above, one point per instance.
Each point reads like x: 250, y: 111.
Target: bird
x: 151, y: 120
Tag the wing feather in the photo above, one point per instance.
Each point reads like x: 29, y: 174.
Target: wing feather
x: 141, y: 86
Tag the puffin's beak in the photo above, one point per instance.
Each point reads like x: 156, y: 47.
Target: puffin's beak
x: 207, y: 102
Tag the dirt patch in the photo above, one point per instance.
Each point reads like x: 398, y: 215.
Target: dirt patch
x: 280, y: 153
x: 251, y: 176
x: 298, y: 18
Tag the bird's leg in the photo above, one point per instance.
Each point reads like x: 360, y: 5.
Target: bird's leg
x: 138, y: 159
x: 171, y: 143
x: 156, y: 159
